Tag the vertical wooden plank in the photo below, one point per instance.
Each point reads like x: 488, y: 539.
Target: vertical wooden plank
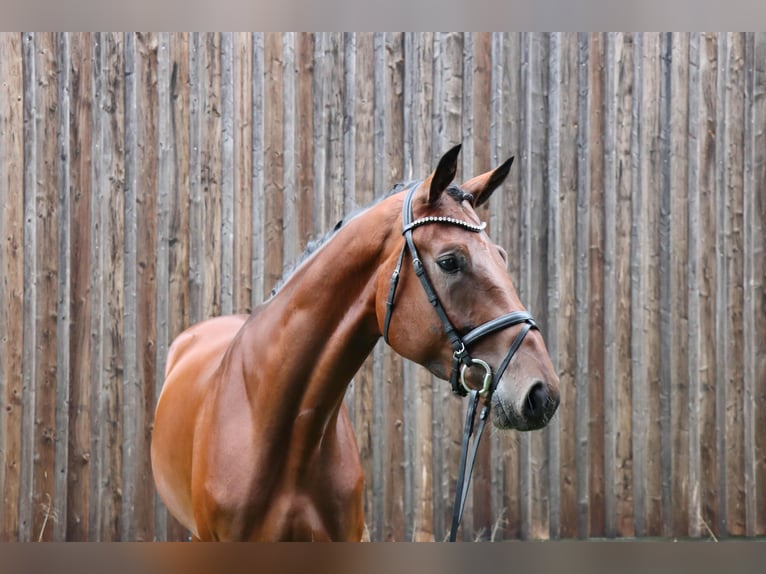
x: 292, y: 247
x: 196, y: 207
x: 376, y: 522
x: 732, y: 308
x: 679, y: 150
x: 553, y: 309
x: 113, y: 260
x: 693, y: 254
x: 206, y: 146
x: 638, y: 317
x: 175, y: 171
x: 508, y: 447
x: 130, y: 403
x: 225, y: 53
x: 651, y: 180
x: 448, y: 409
x: 139, y: 523
x: 63, y: 287
x: 623, y: 521
x: 723, y: 339
x: 26, y: 473
x: 476, y: 119
x: 80, y: 147
x: 466, y: 160
x: 748, y: 318
x: 497, y: 65
x: 535, y: 236
x: 392, y: 370
x: 596, y: 288
x: 364, y: 381
x: 107, y: 252
x: 333, y: 118
x: 409, y: 373
x: 165, y: 168
x: 755, y: 226
x: 423, y: 476
x: 40, y: 270
x: 610, y: 282
x: 645, y: 295
x: 563, y: 240
x: 258, y: 185
x: 582, y: 285
x: 665, y: 285
x: 273, y: 160
x: 243, y: 172
x: 211, y: 174
x: 707, y: 367
x: 445, y: 132
x: 12, y: 286
x: 304, y: 141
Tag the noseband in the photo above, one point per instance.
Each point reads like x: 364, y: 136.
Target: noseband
x: 461, y: 358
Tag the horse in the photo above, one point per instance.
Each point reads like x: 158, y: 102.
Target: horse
x: 251, y: 437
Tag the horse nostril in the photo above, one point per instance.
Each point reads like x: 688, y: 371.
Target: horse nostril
x: 536, y: 402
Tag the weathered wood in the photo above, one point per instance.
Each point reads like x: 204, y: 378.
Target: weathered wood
x: 243, y: 172
x: 146, y: 296
x: 152, y: 181
x: 610, y: 282
x: 510, y: 205
x: 227, y: 128
x: 12, y: 290
x: 623, y: 347
x: 176, y: 171
x: 375, y: 522
x: 107, y: 254
x: 258, y: 187
x: 755, y: 329
x: 596, y: 339
x: 365, y: 379
x: 393, y: 490
x: 676, y: 473
x: 41, y: 191
x: 304, y: 142
x: 291, y: 199
x: 476, y: 117
x: 582, y: 283
x: 707, y: 365
x: 421, y: 68
x: 273, y: 162
x: 63, y: 286
x: 733, y: 302
x: 650, y: 258
x: 80, y: 148
x: 562, y: 258
x: 448, y: 410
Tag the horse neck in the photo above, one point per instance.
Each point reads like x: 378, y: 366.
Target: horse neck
x: 307, y: 342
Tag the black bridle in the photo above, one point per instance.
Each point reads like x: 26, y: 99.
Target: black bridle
x: 461, y: 358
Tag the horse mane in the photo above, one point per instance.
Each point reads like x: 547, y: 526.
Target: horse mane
x: 314, y: 244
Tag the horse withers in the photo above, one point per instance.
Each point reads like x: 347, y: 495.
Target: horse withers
x: 251, y: 437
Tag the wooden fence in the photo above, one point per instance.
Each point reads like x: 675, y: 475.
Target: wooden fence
x: 151, y: 180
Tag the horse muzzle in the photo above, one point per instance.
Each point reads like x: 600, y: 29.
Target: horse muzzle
x: 529, y: 410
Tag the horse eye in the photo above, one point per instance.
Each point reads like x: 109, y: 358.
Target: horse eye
x: 448, y: 263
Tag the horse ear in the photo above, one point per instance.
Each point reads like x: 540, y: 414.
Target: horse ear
x: 482, y: 186
x: 444, y: 174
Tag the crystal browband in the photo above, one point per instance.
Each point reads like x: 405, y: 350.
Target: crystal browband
x: 447, y: 220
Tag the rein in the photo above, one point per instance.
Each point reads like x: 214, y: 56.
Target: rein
x: 461, y: 358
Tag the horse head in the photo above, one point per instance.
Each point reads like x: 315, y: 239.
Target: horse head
x: 450, y: 287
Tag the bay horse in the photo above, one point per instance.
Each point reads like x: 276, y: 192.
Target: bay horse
x: 251, y: 438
